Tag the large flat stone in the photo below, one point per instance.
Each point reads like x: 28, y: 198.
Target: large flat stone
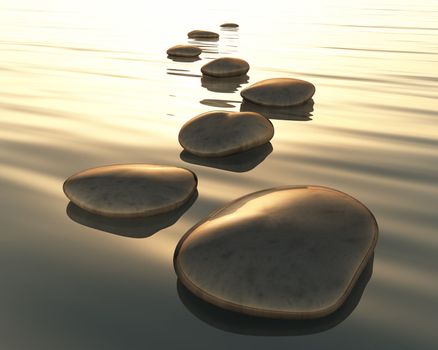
x: 131, y: 190
x: 221, y: 133
x: 279, y: 92
x: 291, y: 252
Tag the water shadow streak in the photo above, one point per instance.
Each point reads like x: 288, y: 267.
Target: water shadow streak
x: 238, y: 163
x: 212, y: 102
x: 234, y: 322
x: 141, y: 227
x: 184, y: 74
x: 302, y: 112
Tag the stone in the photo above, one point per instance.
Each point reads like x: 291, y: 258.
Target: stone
x: 225, y: 67
x: 202, y: 34
x: 221, y: 133
x: 184, y: 51
x: 279, y: 92
x: 229, y: 25
x: 291, y: 252
x: 131, y: 190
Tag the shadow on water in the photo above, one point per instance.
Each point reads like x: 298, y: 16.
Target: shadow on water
x: 141, y: 227
x: 218, y: 103
x: 225, y: 85
x: 238, y: 163
x: 302, y: 112
x: 248, y: 325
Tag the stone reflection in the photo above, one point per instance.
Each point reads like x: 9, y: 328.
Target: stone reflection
x: 239, y: 163
x: 218, y: 103
x: 183, y: 59
x: 249, y: 325
x: 301, y: 112
x: 224, y: 85
x: 139, y: 227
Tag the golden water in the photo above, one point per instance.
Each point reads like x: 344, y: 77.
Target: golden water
x: 87, y: 83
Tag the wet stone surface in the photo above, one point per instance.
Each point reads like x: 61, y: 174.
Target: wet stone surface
x: 290, y: 252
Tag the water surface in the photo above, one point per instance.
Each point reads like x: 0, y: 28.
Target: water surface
x: 88, y: 83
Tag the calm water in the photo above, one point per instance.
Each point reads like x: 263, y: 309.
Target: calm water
x: 87, y: 83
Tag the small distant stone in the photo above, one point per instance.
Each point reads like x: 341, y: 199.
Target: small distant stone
x: 279, y: 92
x: 131, y: 190
x: 201, y: 34
x: 184, y: 51
x: 221, y: 133
x: 290, y: 252
x: 225, y: 67
x: 229, y: 25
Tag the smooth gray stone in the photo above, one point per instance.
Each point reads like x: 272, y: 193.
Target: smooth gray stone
x: 202, y: 34
x: 225, y: 67
x: 131, y: 190
x: 184, y: 51
x: 229, y: 25
x: 290, y: 252
x: 221, y: 133
x: 279, y: 92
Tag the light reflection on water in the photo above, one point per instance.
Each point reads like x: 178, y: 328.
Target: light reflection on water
x: 88, y: 84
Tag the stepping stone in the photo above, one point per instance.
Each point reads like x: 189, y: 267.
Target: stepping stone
x: 221, y: 133
x: 291, y: 252
x: 184, y: 51
x: 229, y: 25
x: 279, y: 92
x: 225, y: 67
x: 202, y: 34
x: 131, y: 190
